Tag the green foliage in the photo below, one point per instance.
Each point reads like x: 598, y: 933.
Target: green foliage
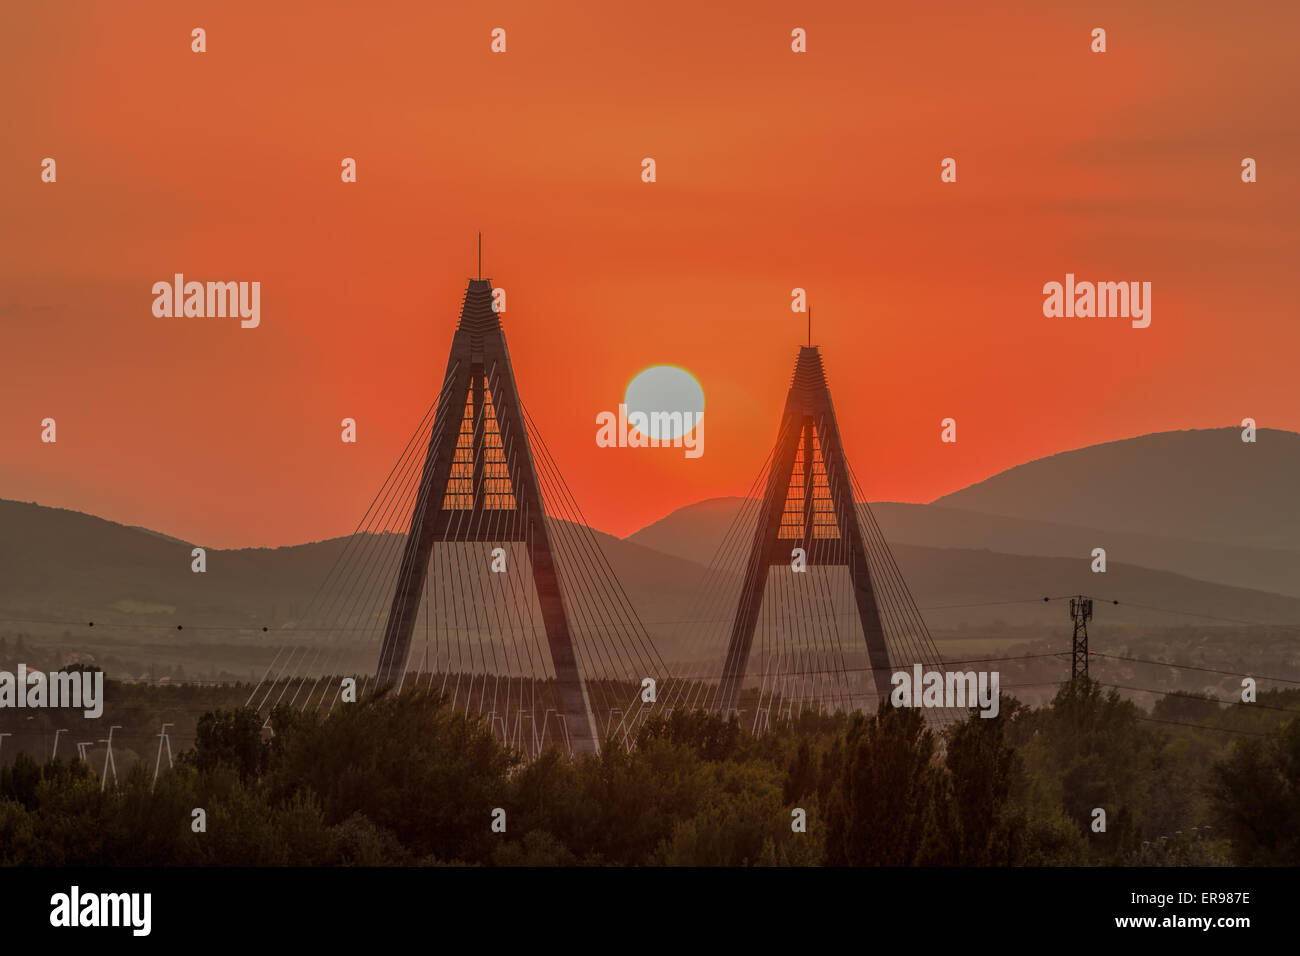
x: 406, y: 763
x: 538, y: 848
x: 881, y: 808
x: 1256, y: 797
x: 403, y: 780
x: 975, y: 816
x: 230, y: 739
x: 738, y: 820
x: 704, y: 733
x: 1087, y: 751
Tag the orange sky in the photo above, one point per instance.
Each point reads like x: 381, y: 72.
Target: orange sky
x: 775, y: 170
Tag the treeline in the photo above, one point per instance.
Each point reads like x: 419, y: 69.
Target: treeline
x: 400, y: 779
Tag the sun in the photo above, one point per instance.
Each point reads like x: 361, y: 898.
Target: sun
x: 671, y: 391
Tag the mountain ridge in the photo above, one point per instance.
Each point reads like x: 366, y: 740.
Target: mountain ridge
x: 966, y: 567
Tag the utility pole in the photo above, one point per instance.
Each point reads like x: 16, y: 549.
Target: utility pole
x: 54, y: 754
x: 108, y: 759
x: 81, y: 749
x: 1080, y: 614
x: 162, y: 739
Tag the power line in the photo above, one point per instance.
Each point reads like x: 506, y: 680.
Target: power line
x: 1208, y: 700
x: 1222, y: 730
x: 1193, y: 667
x: 282, y: 629
x: 379, y: 624
x: 1211, y: 617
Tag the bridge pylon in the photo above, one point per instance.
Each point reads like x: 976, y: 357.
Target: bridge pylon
x: 808, y: 505
x: 480, y: 484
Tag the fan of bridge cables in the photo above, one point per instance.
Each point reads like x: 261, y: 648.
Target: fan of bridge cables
x: 808, y: 651
x: 479, y: 637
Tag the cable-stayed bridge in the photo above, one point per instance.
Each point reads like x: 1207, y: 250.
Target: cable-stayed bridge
x: 819, y: 616
x: 473, y: 572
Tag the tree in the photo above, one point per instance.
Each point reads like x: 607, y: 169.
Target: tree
x: 881, y: 805
x: 1086, y: 751
x: 232, y: 739
x: 1255, y: 797
x: 976, y: 818
x: 408, y: 764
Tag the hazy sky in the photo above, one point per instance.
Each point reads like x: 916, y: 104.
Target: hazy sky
x: 775, y: 170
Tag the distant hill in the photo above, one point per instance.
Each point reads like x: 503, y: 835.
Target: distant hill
x: 70, y: 565
x: 67, y: 565
x: 959, y: 577
x: 1180, y: 533
x: 1041, y: 508
x: 64, y: 565
x: 1201, y: 485
x: 1265, y: 569
x: 692, y: 532
x: 966, y: 559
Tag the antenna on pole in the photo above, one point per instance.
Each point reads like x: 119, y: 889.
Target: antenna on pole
x: 480, y: 255
x: 810, y: 326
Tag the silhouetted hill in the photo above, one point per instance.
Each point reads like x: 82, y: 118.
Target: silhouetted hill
x: 1265, y: 569
x: 70, y: 566
x: 962, y: 570
x: 973, y: 581
x: 1042, y: 508
x: 693, y: 532
x: 1202, y: 485
x: 1190, y: 520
